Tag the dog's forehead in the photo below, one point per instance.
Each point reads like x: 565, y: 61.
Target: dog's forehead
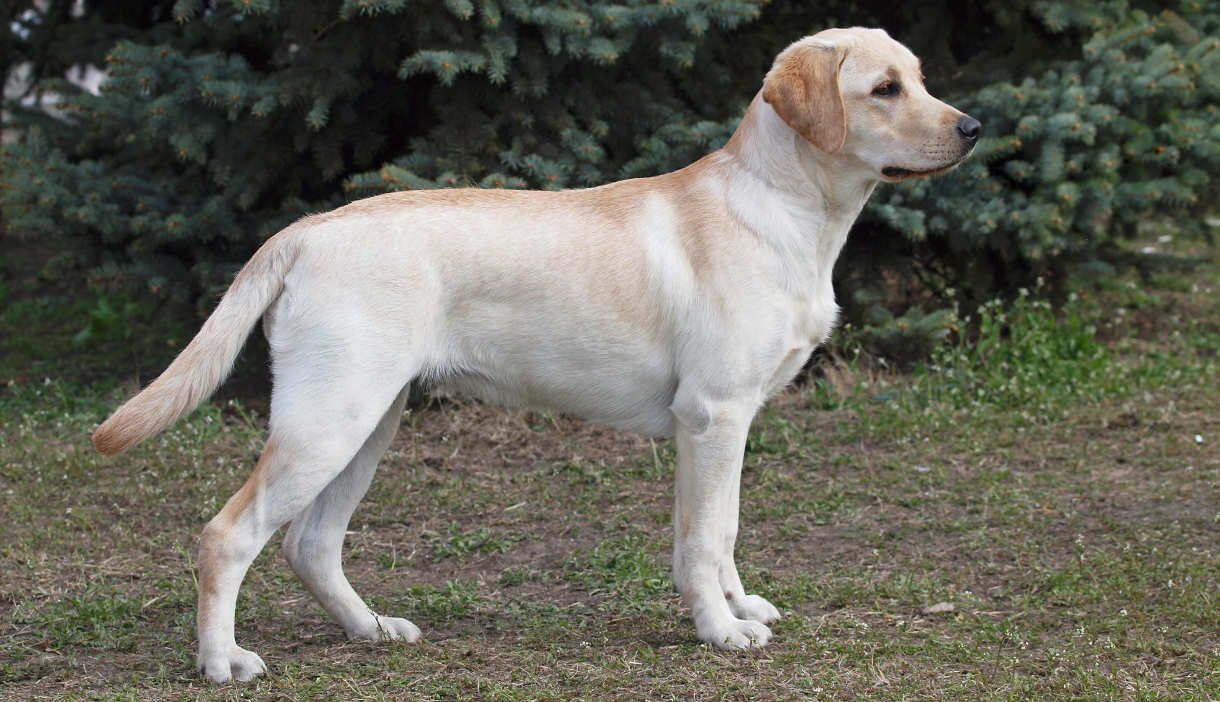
x: 868, y: 51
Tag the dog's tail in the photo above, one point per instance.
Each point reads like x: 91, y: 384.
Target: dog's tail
x: 207, y: 360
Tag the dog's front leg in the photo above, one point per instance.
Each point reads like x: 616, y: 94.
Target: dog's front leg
x: 742, y: 605
x: 711, y: 438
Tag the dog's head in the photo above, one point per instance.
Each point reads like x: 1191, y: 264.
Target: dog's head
x: 858, y: 93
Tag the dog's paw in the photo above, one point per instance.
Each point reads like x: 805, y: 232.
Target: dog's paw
x: 386, y: 629
x: 754, y: 608
x: 734, y: 634
x: 235, y: 663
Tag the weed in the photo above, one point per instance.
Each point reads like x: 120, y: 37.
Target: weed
x: 772, y: 434
x: 580, y: 471
x: 453, y: 599
x: 511, y: 577
x: 99, y: 617
x: 1025, y: 358
x: 626, y: 567
x: 461, y: 543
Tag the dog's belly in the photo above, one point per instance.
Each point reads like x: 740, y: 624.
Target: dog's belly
x: 631, y: 398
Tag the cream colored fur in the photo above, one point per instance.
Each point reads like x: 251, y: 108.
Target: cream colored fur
x: 672, y: 306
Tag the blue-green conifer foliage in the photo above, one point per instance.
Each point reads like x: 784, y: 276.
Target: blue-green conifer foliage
x: 221, y: 122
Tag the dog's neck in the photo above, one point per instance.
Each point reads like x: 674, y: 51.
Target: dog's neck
x: 796, y: 198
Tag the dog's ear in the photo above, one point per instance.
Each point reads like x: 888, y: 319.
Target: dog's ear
x: 803, y: 89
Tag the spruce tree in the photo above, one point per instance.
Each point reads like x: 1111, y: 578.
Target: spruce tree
x: 1074, y: 161
x: 222, y: 121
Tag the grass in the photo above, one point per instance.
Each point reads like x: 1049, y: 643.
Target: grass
x: 1031, y: 515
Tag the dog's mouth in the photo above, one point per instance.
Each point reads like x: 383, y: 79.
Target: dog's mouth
x: 897, y: 173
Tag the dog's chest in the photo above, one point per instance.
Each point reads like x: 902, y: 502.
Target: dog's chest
x: 809, y: 326
x: 788, y: 367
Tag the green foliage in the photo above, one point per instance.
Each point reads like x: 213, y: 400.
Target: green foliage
x: 98, y: 617
x: 1023, y: 364
x: 1023, y: 356
x: 908, y: 336
x: 221, y: 122
x: 1075, y: 160
x: 626, y: 566
x: 459, y: 544
x: 453, y: 599
x: 110, y: 319
x: 87, y: 336
x: 772, y: 434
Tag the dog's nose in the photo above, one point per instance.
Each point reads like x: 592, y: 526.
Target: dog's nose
x: 969, y: 128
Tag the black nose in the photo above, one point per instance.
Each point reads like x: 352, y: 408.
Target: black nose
x: 969, y: 128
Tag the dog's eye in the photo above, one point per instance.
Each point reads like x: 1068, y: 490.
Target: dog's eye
x: 887, y: 89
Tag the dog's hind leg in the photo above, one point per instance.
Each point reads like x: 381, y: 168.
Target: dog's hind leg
x: 314, y: 543
x: 320, y: 420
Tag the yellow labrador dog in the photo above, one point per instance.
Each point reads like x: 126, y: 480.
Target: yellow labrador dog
x: 670, y: 306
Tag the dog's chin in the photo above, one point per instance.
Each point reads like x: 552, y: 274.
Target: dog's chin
x: 894, y: 174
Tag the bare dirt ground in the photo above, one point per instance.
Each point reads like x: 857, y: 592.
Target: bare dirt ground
x: 917, y: 551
